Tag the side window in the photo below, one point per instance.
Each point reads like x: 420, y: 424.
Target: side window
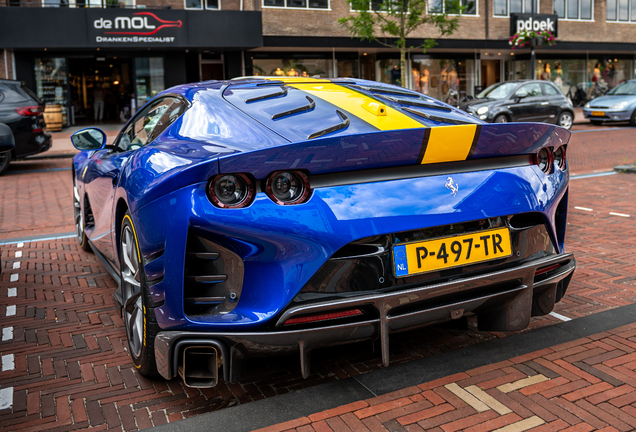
x: 150, y: 123
x: 529, y: 90
x: 548, y: 90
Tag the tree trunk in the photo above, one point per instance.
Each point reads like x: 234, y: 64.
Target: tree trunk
x: 403, y: 63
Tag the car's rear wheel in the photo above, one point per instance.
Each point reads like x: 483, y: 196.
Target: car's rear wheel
x: 501, y: 118
x: 139, y: 317
x: 5, y: 158
x: 80, y: 222
x: 566, y: 120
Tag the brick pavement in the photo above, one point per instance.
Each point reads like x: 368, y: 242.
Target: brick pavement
x: 585, y: 385
x: 71, y: 367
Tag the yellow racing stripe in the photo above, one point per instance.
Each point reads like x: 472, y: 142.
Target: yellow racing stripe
x: 355, y: 102
x: 450, y: 143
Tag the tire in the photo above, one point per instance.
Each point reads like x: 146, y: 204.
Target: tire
x: 139, y: 317
x: 80, y: 223
x: 632, y: 121
x: 501, y: 118
x: 5, y: 159
x: 596, y: 122
x: 566, y: 120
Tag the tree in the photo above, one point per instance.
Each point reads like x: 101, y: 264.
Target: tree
x: 398, y: 19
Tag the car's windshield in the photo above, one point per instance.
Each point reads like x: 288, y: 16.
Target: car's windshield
x: 628, y: 88
x: 497, y: 91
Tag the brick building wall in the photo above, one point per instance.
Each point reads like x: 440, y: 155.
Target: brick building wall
x: 290, y: 22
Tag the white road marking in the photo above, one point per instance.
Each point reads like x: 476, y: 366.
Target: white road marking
x: 584, y: 208
x: 17, y: 264
x: 10, y: 311
x: 579, y: 176
x: 8, y: 362
x: 12, y: 292
x: 18, y: 254
x: 7, y: 334
x: 6, y: 398
x: 20, y: 244
x: 619, y: 214
x: 559, y: 316
x: 14, y: 277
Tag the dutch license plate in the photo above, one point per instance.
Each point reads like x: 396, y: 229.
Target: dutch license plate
x: 448, y: 252
x: 598, y: 113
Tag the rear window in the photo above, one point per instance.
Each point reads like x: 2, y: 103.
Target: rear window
x: 11, y: 93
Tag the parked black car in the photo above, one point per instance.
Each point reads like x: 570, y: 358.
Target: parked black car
x: 21, y: 110
x: 521, y: 101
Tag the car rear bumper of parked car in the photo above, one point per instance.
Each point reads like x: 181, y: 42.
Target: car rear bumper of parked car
x: 502, y: 300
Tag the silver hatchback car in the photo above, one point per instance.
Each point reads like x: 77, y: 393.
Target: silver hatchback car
x: 619, y: 104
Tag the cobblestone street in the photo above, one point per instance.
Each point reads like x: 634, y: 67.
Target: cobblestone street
x: 64, y: 350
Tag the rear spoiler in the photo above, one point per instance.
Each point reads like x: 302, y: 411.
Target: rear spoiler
x: 397, y: 148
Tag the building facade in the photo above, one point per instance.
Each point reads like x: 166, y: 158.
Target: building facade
x: 77, y: 52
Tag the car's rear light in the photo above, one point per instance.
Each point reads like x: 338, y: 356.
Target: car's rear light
x: 559, y: 157
x: 30, y: 110
x: 546, y: 269
x: 544, y: 160
x: 231, y: 190
x: 323, y: 317
x: 38, y: 130
x: 288, y: 187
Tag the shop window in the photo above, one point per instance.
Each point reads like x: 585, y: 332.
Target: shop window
x: 198, y: 4
x: 51, y: 83
x: 149, y: 79
x: 503, y: 8
x: 574, y: 9
x: 433, y: 77
x: 319, y: 68
x: 297, y: 4
x: 621, y: 10
x: 452, y: 7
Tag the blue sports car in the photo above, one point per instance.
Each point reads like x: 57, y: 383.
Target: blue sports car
x: 264, y: 215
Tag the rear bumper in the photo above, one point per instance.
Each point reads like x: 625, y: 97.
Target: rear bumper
x: 503, y: 300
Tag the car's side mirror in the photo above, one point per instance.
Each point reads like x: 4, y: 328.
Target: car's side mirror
x: 520, y: 96
x: 7, y: 141
x: 89, y: 139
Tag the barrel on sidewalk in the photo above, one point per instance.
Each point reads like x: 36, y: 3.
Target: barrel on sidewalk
x: 53, y: 117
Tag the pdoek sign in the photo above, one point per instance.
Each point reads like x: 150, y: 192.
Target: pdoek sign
x: 527, y: 22
x: 141, y: 24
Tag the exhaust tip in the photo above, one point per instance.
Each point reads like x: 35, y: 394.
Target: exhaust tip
x: 200, y: 366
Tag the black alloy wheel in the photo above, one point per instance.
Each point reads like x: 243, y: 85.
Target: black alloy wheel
x: 501, y: 118
x: 566, y: 120
x: 139, y: 316
x: 5, y: 158
x: 80, y: 222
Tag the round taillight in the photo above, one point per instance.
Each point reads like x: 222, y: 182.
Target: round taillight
x: 288, y: 187
x: 559, y: 157
x: 544, y: 160
x: 231, y: 190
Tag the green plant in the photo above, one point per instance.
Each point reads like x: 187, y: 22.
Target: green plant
x: 372, y: 20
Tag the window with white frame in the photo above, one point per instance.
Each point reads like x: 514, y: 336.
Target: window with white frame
x: 200, y: 4
x: 297, y: 4
x: 453, y: 7
x: 574, y: 9
x: 621, y: 10
x: 504, y: 8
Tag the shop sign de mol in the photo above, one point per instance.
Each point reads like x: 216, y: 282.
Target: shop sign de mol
x: 136, y: 27
x: 536, y: 22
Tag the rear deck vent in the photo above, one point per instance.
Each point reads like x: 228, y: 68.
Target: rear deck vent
x: 449, y: 120
x: 213, y: 278
x: 261, y: 97
x: 417, y: 103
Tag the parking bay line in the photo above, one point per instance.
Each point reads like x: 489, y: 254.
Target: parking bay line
x: 619, y: 214
x: 584, y: 208
x: 559, y: 316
